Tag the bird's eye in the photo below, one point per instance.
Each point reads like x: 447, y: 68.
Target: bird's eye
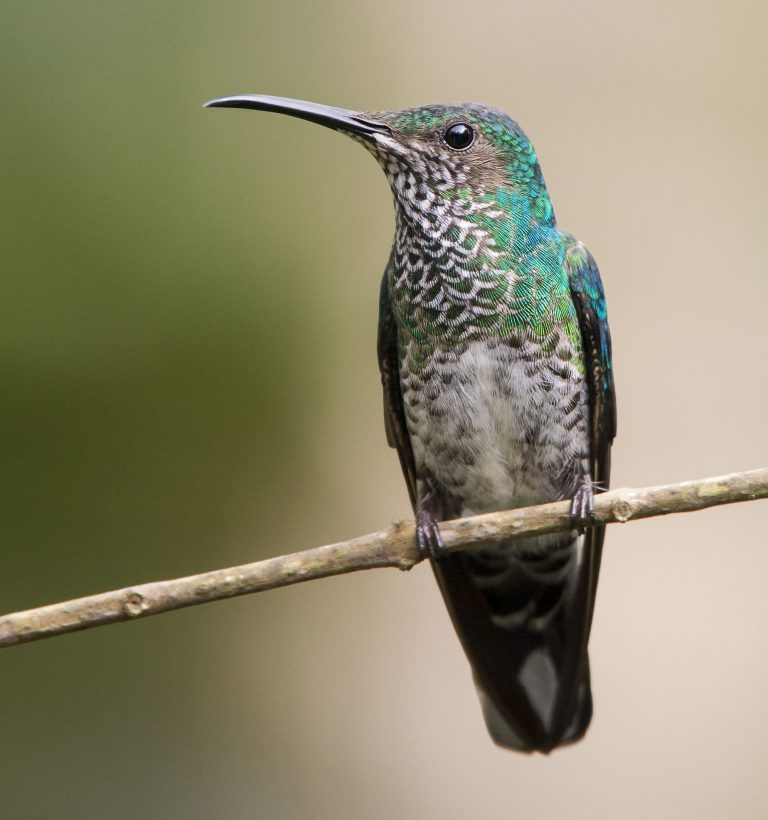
x: 459, y: 136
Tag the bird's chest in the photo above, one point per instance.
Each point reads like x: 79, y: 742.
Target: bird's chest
x: 497, y: 423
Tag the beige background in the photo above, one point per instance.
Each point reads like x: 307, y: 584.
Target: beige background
x: 189, y: 381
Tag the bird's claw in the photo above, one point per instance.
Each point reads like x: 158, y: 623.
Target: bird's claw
x: 428, y: 538
x: 583, y: 506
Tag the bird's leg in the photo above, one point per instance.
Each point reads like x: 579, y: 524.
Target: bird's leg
x: 428, y: 536
x: 583, y: 502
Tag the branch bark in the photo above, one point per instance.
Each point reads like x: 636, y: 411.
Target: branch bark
x: 394, y: 546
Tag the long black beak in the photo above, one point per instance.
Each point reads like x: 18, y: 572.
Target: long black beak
x: 337, y: 118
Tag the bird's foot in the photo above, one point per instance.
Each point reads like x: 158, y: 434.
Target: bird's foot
x: 583, y: 506
x: 428, y: 537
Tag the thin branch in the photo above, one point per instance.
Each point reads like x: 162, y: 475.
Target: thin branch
x: 394, y: 546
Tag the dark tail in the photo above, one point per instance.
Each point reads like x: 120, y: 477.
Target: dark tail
x: 523, y: 613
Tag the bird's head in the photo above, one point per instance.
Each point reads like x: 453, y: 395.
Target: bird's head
x: 437, y: 155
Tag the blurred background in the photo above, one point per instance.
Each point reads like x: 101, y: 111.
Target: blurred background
x: 189, y: 381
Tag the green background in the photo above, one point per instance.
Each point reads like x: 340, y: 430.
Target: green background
x: 187, y: 350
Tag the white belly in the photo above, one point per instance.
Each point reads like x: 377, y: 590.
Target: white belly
x: 488, y: 423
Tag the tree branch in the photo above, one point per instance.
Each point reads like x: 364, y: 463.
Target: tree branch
x: 394, y: 546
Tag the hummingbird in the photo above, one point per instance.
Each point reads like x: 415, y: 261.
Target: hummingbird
x: 495, y: 360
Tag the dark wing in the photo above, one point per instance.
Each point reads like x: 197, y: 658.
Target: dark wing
x: 589, y: 299
x: 394, y: 414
